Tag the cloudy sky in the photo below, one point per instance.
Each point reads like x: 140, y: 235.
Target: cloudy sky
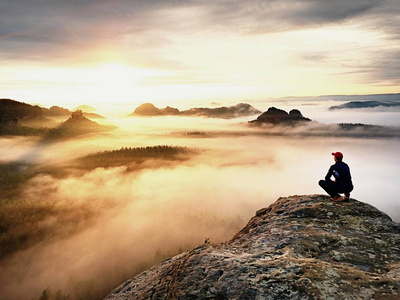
x: 130, y: 51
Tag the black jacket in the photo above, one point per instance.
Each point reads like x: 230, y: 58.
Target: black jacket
x: 341, y: 172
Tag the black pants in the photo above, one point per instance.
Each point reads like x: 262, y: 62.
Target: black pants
x: 330, y: 187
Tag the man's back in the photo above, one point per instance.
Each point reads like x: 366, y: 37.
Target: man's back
x: 341, y: 172
x: 342, y: 183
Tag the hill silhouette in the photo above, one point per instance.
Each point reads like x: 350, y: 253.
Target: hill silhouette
x: 18, y: 118
x: 147, y: 109
x: 76, y: 125
x: 277, y: 116
x: 14, y: 109
x: 57, y: 111
x: 229, y: 112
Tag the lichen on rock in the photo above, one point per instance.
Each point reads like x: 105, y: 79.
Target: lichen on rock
x: 300, y: 247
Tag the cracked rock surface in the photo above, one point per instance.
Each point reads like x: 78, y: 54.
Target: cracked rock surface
x: 300, y: 247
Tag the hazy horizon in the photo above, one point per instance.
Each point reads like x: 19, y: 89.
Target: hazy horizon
x: 313, y: 107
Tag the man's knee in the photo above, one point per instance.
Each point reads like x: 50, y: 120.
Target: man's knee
x: 322, y: 183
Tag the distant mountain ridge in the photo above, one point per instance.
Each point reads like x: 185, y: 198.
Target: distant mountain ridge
x: 365, y: 104
x: 368, y: 97
x: 20, y: 110
x: 224, y: 112
x: 23, y: 111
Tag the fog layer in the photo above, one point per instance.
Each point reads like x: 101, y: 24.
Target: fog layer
x: 108, y: 224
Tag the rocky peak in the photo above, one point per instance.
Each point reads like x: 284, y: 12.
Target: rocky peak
x: 77, y: 115
x: 278, y: 116
x: 300, y: 247
x: 295, y: 113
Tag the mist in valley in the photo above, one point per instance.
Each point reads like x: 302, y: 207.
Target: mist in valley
x: 89, y: 229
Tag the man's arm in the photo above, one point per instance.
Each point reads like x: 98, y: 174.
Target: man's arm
x: 329, y: 174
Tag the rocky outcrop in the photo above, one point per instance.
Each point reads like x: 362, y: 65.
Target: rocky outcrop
x: 78, y: 123
x: 277, y: 116
x: 75, y: 126
x: 224, y: 112
x: 300, y: 247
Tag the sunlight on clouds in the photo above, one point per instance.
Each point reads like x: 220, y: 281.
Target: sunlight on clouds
x: 301, y: 62
x: 349, y: 35
x: 116, y: 80
x: 107, y: 82
x: 159, y: 51
x: 112, y: 75
x: 213, y: 66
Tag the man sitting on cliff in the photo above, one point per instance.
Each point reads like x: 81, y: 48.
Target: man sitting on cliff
x: 342, y: 183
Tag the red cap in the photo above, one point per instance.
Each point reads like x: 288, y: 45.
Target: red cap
x: 337, y: 154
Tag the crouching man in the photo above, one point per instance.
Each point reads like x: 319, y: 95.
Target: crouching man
x: 342, y: 183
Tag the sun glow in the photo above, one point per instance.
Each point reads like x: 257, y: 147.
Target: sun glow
x: 109, y: 82
x: 184, y: 75
x: 117, y: 80
x: 117, y: 75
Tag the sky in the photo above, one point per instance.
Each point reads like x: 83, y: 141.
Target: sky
x: 55, y: 52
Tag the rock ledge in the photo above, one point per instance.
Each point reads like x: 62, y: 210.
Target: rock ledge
x: 300, y: 247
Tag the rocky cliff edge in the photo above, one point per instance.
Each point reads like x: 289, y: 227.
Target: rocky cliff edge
x: 300, y: 247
